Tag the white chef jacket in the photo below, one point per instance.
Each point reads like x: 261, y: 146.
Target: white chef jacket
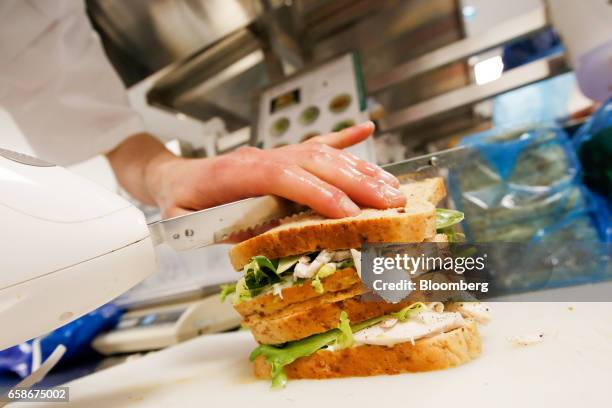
x: 57, y: 83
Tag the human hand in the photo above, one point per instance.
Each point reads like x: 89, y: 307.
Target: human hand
x: 315, y: 173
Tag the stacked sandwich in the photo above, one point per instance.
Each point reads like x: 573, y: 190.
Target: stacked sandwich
x: 302, y: 298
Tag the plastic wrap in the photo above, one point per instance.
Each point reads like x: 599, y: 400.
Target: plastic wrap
x: 525, y: 186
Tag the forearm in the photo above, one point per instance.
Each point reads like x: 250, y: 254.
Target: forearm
x: 135, y: 163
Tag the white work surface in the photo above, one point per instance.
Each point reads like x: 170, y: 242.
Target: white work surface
x: 572, y: 367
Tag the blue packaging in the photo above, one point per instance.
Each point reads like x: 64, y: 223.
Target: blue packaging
x: 76, y: 336
x: 524, y: 185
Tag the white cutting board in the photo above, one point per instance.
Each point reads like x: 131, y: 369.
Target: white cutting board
x: 572, y: 367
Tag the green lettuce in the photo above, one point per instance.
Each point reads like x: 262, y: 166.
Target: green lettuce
x: 242, y: 292
x: 323, y: 272
x: 259, y: 273
x: 327, y: 270
x: 401, y: 315
x: 345, y: 339
x: 282, y: 355
x: 409, y: 311
x: 227, y: 290
x: 452, y: 235
x: 349, y: 263
x: 262, y: 272
x: 286, y: 263
x: 446, y: 218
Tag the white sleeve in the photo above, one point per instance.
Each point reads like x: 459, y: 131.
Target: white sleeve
x: 57, y: 83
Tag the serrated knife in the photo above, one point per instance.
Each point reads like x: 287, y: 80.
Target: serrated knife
x: 217, y: 224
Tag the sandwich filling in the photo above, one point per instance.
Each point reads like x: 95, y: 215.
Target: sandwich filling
x: 264, y: 276
x: 414, y: 322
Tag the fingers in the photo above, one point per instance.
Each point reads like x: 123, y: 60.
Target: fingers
x: 297, y: 184
x: 370, y: 169
x: 328, y: 164
x: 346, y: 137
x: 318, y: 175
x: 174, y: 212
x: 351, y: 136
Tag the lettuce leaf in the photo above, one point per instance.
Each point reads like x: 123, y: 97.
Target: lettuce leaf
x: 317, y: 285
x: 259, y: 273
x: 346, y: 264
x: 286, y: 263
x: 280, y: 356
x: 345, y: 339
x: 242, y: 292
x: 452, y: 235
x: 323, y: 272
x: 409, y: 311
x: 447, y: 218
x: 227, y: 290
x: 262, y: 272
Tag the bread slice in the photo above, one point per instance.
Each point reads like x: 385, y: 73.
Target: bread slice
x: 275, y: 319
x: 319, y: 315
x: 434, y: 353
x: 309, y: 232
x: 270, y: 303
x: 431, y: 190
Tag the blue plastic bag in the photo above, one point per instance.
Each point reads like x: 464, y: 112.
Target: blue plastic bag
x: 524, y: 185
x: 76, y: 336
x: 593, y: 145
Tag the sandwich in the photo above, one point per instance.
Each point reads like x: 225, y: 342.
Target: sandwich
x: 302, y: 298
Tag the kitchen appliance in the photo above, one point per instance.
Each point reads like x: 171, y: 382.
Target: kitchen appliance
x: 67, y: 247
x: 158, y: 327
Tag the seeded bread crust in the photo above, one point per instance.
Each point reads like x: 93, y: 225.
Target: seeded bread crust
x: 302, y: 312
x: 439, y: 352
x: 431, y: 190
x: 308, y: 232
x: 270, y: 303
x: 320, y: 315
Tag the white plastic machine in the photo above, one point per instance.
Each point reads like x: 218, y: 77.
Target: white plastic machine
x: 67, y: 246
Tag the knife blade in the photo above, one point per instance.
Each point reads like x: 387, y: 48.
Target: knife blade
x: 216, y: 224
x: 428, y: 165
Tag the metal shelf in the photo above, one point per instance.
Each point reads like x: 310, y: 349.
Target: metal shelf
x: 515, y: 78
x: 512, y: 29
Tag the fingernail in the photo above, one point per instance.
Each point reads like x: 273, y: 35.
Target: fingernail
x: 370, y: 167
x: 368, y: 124
x: 349, y: 207
x: 393, y: 195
